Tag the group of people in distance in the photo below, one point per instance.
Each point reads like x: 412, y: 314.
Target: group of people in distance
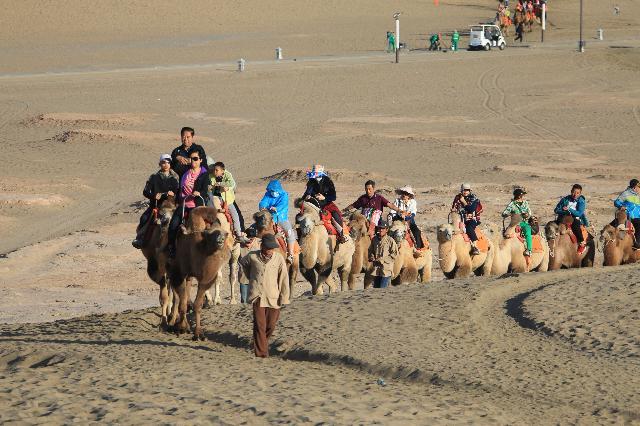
x: 193, y: 179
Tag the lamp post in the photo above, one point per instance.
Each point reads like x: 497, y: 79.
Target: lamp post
x: 581, y: 42
x: 396, y: 16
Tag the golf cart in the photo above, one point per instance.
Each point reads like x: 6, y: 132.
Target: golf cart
x: 486, y: 36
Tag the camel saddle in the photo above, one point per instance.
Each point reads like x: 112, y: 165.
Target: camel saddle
x: 327, y: 221
x: 585, y: 234
x: 536, y: 240
x: 482, y: 244
x: 282, y: 241
x: 411, y: 240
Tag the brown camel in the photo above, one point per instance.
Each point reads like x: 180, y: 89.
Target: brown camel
x: 454, y: 253
x: 509, y: 251
x: 202, y: 249
x: 617, y: 242
x: 407, y: 267
x: 263, y: 225
x: 319, y: 257
x: 155, y: 253
x: 563, y: 252
x: 359, y: 231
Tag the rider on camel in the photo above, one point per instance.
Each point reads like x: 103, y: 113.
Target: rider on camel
x: 321, y: 188
x: 469, y: 207
x: 630, y: 201
x: 521, y: 206
x: 161, y: 185
x: 574, y: 206
x: 406, y: 203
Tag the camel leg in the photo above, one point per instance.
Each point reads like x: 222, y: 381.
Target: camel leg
x: 368, y: 280
x: 344, y: 273
x: 216, y: 289
x: 164, y: 303
x: 174, y: 308
x: 233, y: 279
x: 351, y: 281
x: 464, y: 269
x: 182, y: 326
x: 198, y: 332
x: 311, y: 276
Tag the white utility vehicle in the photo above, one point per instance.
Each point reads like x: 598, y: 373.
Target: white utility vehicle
x: 486, y: 36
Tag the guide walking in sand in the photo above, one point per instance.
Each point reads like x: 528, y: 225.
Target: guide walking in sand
x: 268, y: 290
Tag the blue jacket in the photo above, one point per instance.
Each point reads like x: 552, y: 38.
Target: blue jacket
x: 280, y: 202
x: 579, y: 211
x: 631, y: 201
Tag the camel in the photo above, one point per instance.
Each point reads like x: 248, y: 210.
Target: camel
x: 509, y: 251
x: 202, y: 249
x: 263, y: 225
x: 563, y: 252
x: 359, y: 231
x: 617, y: 242
x: 319, y: 257
x: 155, y: 253
x: 454, y: 253
x: 407, y: 268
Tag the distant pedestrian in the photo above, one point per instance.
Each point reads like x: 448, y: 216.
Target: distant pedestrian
x: 455, y: 38
x: 519, y: 31
x: 391, y: 42
x: 382, y: 254
x: 268, y: 277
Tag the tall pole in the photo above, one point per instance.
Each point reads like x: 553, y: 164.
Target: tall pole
x: 544, y: 21
x: 397, y: 16
x: 581, y: 42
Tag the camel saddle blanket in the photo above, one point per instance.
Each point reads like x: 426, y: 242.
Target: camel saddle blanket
x: 536, y: 244
x: 482, y: 243
x: 585, y: 234
x: 326, y: 221
x: 409, y: 237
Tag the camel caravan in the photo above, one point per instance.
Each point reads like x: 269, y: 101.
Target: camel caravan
x: 526, y: 14
x: 193, y: 227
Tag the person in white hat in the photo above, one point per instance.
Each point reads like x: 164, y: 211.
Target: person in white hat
x: 160, y: 185
x: 468, y: 206
x: 408, y: 208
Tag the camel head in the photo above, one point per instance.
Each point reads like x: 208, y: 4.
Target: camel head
x: 551, y: 230
x: 263, y: 220
x: 445, y: 233
x: 214, y: 240
x: 398, y: 231
x: 535, y: 224
x: 607, y: 234
x: 358, y: 225
x: 165, y: 211
x: 621, y: 216
x: 308, y: 219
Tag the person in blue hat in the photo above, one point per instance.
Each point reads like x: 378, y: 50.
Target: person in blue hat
x: 276, y: 201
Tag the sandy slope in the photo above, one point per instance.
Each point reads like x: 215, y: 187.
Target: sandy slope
x: 447, y: 352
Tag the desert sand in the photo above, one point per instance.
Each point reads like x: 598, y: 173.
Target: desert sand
x: 93, y: 92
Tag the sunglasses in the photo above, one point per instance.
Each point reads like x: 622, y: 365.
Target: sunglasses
x: 195, y: 158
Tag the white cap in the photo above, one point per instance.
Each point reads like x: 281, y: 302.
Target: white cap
x: 165, y: 157
x: 210, y: 161
x: 464, y: 186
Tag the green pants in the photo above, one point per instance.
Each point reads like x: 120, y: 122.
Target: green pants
x: 526, y: 230
x: 454, y: 45
x: 391, y: 46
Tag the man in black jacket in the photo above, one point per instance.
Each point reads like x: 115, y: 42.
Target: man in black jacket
x: 180, y: 161
x: 321, y: 188
x: 161, y: 185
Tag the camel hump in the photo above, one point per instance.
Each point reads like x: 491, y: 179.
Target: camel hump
x: 202, y: 218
